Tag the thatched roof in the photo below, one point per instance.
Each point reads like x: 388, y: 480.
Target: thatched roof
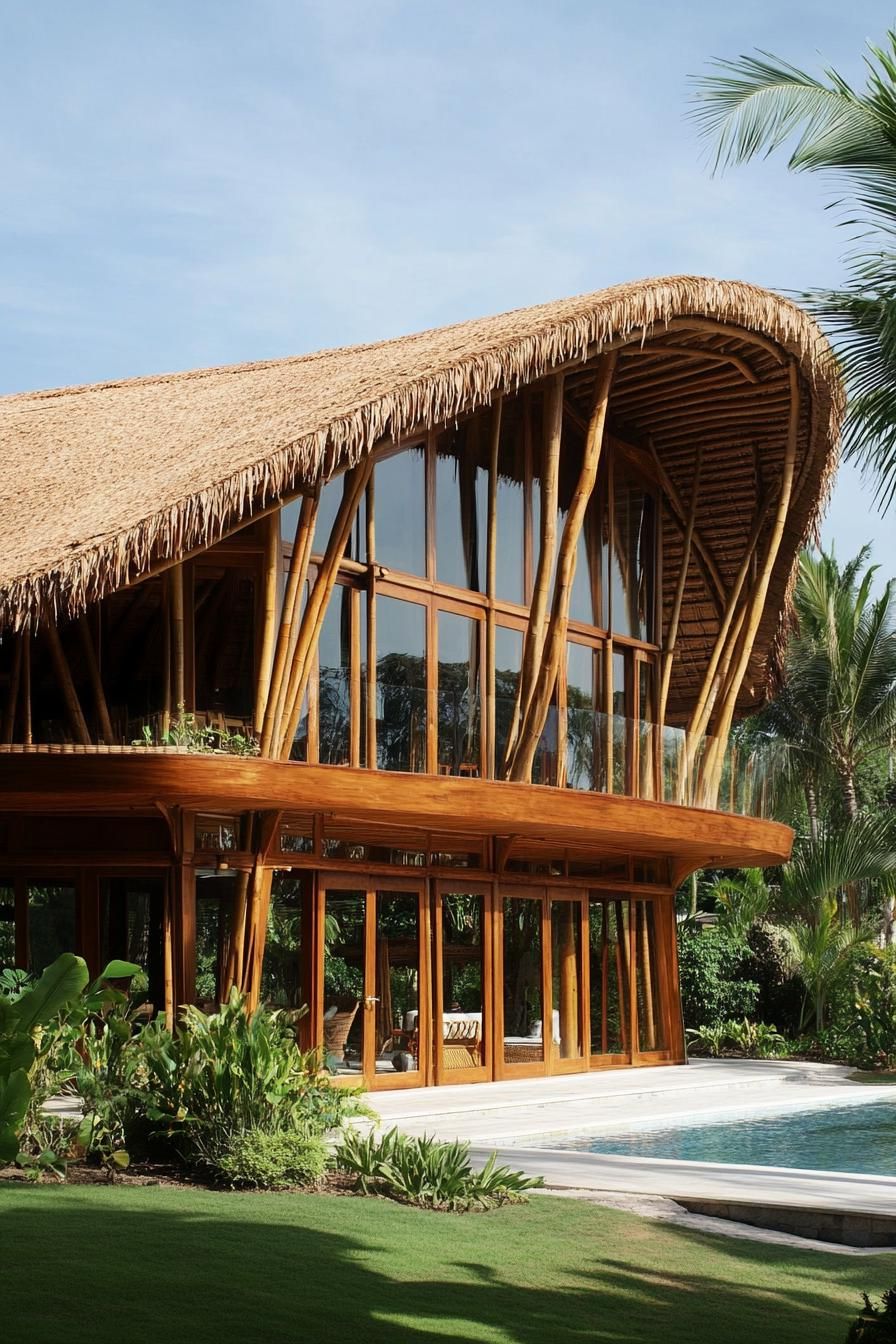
x: 100, y: 483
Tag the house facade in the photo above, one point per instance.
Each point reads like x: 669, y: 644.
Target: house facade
x: 401, y: 682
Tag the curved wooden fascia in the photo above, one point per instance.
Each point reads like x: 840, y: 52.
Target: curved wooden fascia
x: 95, y: 783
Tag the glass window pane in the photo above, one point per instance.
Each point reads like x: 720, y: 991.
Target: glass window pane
x: 215, y: 904
x: 651, y: 1021
x: 523, y: 997
x: 509, y: 571
x: 334, y: 685
x: 401, y: 685
x: 609, y: 962
x: 327, y: 508
x: 461, y: 519
x: 344, y: 981
x: 566, y: 974
x: 51, y: 924
x: 620, y: 724
x: 508, y: 662
x: 633, y: 557
x: 282, y: 966
x: 581, y: 724
x: 400, y: 511
x: 131, y: 929
x: 397, y: 1010
x: 225, y: 641
x: 7, y: 927
x: 463, y: 1004
x: 458, y: 699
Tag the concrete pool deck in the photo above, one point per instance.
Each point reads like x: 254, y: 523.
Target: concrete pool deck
x: 505, y: 1115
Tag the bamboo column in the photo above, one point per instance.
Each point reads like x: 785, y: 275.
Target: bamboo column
x: 289, y: 627
x: 491, y: 569
x: 675, y: 615
x: 26, y: 687
x: 166, y: 655
x: 520, y: 765
x: 569, y: 979
x: 272, y: 567
x: 177, y: 631
x: 66, y: 685
x: 96, y: 683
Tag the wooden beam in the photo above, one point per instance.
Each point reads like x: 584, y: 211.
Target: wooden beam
x: 273, y: 565
x: 694, y: 352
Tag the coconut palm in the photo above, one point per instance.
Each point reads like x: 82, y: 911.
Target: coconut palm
x: 756, y: 104
x: 821, y: 954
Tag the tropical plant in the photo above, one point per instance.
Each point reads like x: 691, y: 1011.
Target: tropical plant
x: 708, y: 1040
x: 428, y: 1173
x: 188, y: 732
x: 741, y: 901
x: 264, y: 1161
x: 24, y: 1043
x: 756, y: 1040
x: 755, y: 105
x: 822, y: 953
x: 869, y: 1013
x: 715, y: 976
x: 875, y: 1325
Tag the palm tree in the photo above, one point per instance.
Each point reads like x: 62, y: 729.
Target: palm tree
x: 742, y: 900
x: 756, y: 104
x: 821, y: 954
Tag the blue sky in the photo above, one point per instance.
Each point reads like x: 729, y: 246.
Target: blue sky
x: 194, y: 184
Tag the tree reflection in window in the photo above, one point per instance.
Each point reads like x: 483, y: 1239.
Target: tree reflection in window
x: 401, y: 685
x: 458, y: 696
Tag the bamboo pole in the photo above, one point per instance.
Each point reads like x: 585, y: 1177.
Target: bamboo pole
x: 272, y: 567
x: 368, y: 653
x: 533, y: 640
x: 9, y: 717
x: 646, y: 978
x: 26, y: 688
x: 520, y: 766
x: 491, y: 570
x: 707, y: 559
x: 96, y: 682
x: 289, y: 626
x: 675, y: 615
x: 177, y: 628
x: 262, y: 882
x: 166, y: 656
x: 313, y: 616
x: 760, y: 590
x: 233, y: 971
x: 66, y: 685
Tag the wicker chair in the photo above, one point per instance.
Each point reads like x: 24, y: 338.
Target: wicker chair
x: 336, y: 1030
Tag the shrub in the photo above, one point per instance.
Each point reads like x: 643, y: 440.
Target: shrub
x: 755, y: 1040
x: 263, y: 1161
x: 875, y: 1325
x: 866, y: 1013
x: 427, y: 1173
x: 714, y: 976
x: 780, y: 997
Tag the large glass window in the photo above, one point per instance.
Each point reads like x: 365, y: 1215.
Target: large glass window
x: 651, y: 1022
x: 397, y: 1007
x: 510, y: 548
x: 566, y: 978
x: 51, y: 923
x: 608, y: 952
x: 131, y: 929
x: 400, y: 511
x: 463, y: 981
x: 327, y: 509
x: 282, y: 982
x: 508, y: 662
x: 334, y: 685
x: 461, y: 519
x: 458, y: 697
x: 344, y: 988
x: 581, y: 723
x: 401, y: 685
x: 215, y: 902
x: 522, y: 986
x: 632, y: 557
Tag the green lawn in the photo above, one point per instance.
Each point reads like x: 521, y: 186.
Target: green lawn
x: 86, y: 1265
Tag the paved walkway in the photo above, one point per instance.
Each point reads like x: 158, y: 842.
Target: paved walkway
x: 505, y: 1115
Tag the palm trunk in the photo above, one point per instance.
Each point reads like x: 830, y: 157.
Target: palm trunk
x: 812, y: 809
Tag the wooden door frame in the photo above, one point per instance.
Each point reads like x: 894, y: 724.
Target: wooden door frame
x: 484, y: 1072
x: 370, y: 884
x: 625, y: 1058
x: 578, y: 1064
x: 540, y: 1069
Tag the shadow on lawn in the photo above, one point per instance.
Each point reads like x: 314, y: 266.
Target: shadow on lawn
x: 82, y: 1269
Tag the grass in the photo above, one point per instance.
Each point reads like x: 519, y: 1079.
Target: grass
x: 89, y: 1263
x: 874, y: 1079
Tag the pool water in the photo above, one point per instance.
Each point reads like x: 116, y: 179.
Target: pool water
x: 860, y: 1138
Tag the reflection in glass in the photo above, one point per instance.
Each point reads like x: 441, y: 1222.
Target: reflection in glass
x: 620, y: 724
x: 608, y: 952
x: 344, y: 1014
x: 463, y: 1004
x: 397, y: 1010
x: 523, y: 996
x: 458, y: 698
x: 401, y: 685
x: 334, y: 686
x: 281, y: 968
x: 400, y: 511
x: 509, y: 571
x: 508, y: 662
x: 7, y: 927
x: 647, y: 732
x: 651, y: 1023
x: 581, y: 723
x: 633, y: 556
x: 131, y: 929
x: 461, y: 520
x: 566, y: 976
x: 225, y: 619
x: 51, y: 924
x: 327, y: 509
x: 215, y: 904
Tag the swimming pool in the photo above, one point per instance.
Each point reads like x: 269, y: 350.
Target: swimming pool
x: 858, y: 1138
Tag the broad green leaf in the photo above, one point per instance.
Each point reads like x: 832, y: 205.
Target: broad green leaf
x: 16, y: 1052
x: 59, y: 985
x: 9, y: 1143
x: 15, y: 1094
x: 121, y: 1159
x: 118, y: 970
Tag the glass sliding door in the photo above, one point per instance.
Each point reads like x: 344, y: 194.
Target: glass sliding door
x: 650, y: 975
x: 567, y: 989
x: 374, y: 996
x: 609, y: 964
x: 523, y: 983
x: 462, y: 982
x: 52, y: 922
